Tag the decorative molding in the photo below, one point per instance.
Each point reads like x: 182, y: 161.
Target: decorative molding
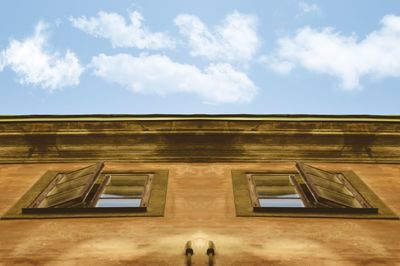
x: 199, y: 138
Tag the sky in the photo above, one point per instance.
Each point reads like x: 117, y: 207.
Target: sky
x: 200, y: 57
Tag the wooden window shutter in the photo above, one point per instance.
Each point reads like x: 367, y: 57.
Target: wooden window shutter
x: 330, y: 189
x: 69, y: 189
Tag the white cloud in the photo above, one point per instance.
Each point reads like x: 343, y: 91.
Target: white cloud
x: 113, y: 26
x: 307, y: 8
x: 34, y: 65
x: 2, y: 60
x: 276, y: 64
x: 158, y: 74
x: 234, y: 40
x: 328, y: 51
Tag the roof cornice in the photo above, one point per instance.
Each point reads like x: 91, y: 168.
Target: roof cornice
x: 217, y: 117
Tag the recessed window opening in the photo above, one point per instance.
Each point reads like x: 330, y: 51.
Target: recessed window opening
x: 276, y: 191
x: 309, y: 190
x: 123, y: 190
x: 90, y: 190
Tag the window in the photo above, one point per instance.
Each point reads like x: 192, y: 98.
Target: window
x: 273, y: 190
x: 312, y: 190
x: 125, y: 190
x: 90, y: 191
x: 308, y: 192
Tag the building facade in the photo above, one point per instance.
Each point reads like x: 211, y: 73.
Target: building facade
x: 198, y: 199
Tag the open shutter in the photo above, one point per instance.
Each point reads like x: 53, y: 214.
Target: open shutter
x: 69, y: 189
x: 330, y: 189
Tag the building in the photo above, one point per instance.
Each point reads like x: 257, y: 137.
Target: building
x: 195, y: 167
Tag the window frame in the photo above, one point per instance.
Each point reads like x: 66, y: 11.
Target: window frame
x: 244, y: 205
x: 91, y: 208
x: 308, y: 206
x: 144, y: 198
x: 155, y: 203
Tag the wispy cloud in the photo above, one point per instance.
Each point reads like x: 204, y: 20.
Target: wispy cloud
x: 34, y: 65
x: 277, y: 64
x: 158, y: 74
x: 113, y: 27
x: 328, y: 51
x: 234, y: 40
x: 308, y: 8
x: 2, y: 60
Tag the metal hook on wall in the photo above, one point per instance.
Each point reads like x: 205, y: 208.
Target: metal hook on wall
x: 188, y: 253
x: 200, y: 243
x: 211, y: 253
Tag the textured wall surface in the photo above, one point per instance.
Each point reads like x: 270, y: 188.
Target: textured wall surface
x: 199, y: 207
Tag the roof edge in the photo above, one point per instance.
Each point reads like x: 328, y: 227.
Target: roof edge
x: 226, y: 117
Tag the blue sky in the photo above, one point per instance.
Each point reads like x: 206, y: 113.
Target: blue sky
x: 143, y: 57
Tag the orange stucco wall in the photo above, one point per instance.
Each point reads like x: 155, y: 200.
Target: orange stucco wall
x: 199, y: 207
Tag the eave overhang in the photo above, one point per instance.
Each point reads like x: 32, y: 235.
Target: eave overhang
x: 200, y: 138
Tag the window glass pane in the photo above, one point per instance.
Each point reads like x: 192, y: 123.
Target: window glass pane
x: 128, y: 180
x: 122, y: 191
x: 281, y: 203
x: 110, y: 203
x: 274, y: 186
x: 277, y: 191
x: 271, y: 180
